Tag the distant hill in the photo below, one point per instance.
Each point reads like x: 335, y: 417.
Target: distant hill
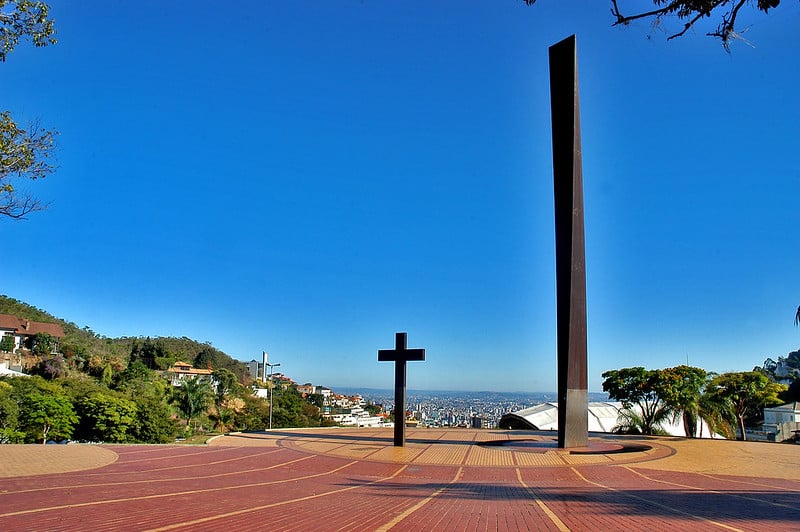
x: 92, y: 352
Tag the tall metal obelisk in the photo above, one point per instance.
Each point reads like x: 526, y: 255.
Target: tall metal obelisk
x: 573, y: 403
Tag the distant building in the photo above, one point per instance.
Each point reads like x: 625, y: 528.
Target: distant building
x: 180, y: 371
x: 323, y: 391
x: 356, y: 417
x: 305, y: 389
x: 781, y: 422
x: 252, y: 368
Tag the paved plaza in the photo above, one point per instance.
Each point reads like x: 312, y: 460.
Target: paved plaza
x: 355, y: 479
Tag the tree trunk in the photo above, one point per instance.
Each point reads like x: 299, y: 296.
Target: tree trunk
x: 741, y: 427
x: 689, y: 425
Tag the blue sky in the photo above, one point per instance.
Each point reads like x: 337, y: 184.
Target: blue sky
x: 308, y: 178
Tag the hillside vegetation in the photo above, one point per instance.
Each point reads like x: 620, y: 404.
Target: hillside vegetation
x: 89, y: 352
x: 95, y: 388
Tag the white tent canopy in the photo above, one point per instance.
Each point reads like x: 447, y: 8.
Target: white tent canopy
x: 602, y: 418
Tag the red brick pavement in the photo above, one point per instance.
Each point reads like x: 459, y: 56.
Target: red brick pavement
x: 283, y: 487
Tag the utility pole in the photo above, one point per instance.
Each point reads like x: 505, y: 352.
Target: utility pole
x: 271, y: 387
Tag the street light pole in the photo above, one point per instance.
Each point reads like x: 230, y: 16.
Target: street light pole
x: 271, y: 387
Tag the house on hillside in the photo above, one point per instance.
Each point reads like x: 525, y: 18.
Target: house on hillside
x: 24, y: 332
x: 305, y: 389
x: 181, y: 371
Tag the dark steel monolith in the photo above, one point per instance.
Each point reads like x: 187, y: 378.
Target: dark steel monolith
x: 400, y: 355
x: 573, y: 404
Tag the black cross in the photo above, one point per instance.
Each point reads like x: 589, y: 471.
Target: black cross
x: 400, y: 355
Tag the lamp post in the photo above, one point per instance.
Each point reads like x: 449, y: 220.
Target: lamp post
x: 271, y: 387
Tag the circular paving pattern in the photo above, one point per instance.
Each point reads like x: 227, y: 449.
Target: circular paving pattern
x: 16, y: 460
x: 356, y: 480
x: 454, y: 447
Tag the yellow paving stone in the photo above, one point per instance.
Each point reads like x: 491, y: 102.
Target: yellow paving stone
x: 584, y: 459
x: 397, y: 454
x: 244, y: 440
x: 316, y: 446
x: 355, y: 451
x: 459, y: 435
x: 443, y: 454
x: 19, y: 460
x: 490, y: 436
x: 487, y: 456
x: 539, y: 459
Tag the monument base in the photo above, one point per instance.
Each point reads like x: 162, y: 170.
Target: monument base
x: 576, y: 429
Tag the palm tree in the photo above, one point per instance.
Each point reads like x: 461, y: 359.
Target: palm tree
x: 631, y: 421
x: 717, y: 415
x: 193, y: 397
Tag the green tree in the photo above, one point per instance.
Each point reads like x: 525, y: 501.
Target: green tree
x: 47, y: 416
x: 193, y: 397
x: 716, y: 414
x: 290, y: 410
x: 254, y: 415
x: 154, y: 422
x: 24, y: 19
x: 742, y: 394
x: 681, y: 388
x: 227, y: 400
x: 154, y: 419
x: 9, y: 416
x: 24, y: 153
x: 631, y: 421
x: 106, y: 417
x: 227, y: 384
x: 152, y: 353
x: 7, y: 343
x: 640, y: 387
x: 43, y: 344
x: 135, y: 375
x: 690, y: 12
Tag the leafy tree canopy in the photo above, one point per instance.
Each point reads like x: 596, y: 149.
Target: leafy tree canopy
x: 106, y: 417
x: 193, y: 397
x: 638, y: 387
x: 47, y: 416
x: 9, y: 416
x: 743, y: 394
x: 24, y: 153
x: 658, y: 394
x: 690, y: 12
x: 681, y: 388
x: 21, y: 20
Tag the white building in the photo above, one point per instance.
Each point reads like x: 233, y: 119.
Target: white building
x: 357, y: 417
x: 5, y: 372
x: 781, y: 422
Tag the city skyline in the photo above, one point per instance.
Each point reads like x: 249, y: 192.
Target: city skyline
x: 309, y: 179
